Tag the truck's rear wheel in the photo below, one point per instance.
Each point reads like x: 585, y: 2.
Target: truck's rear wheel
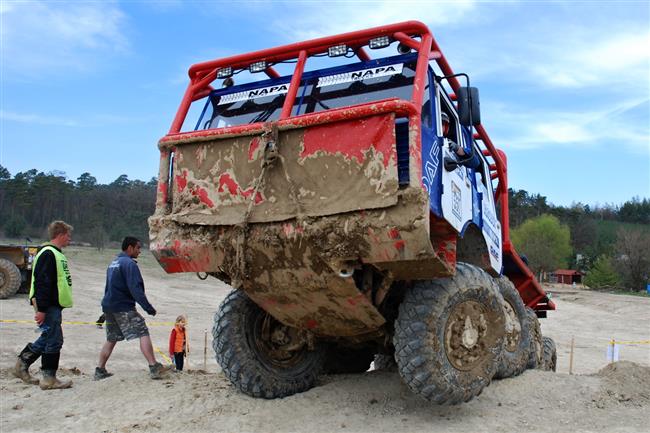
x: 9, y: 279
x: 385, y: 362
x: 261, y: 356
x: 536, y: 342
x: 549, y: 355
x: 449, y: 335
x: 516, y: 348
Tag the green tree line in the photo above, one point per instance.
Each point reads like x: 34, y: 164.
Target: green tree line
x: 100, y: 213
x: 610, y: 244
x: 609, y: 240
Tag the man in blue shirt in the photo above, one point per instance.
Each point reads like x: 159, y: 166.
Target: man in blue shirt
x: 125, y: 287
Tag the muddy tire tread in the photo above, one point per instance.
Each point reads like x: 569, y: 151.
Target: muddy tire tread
x: 12, y: 279
x: 514, y: 363
x: 239, y: 361
x: 385, y: 362
x: 549, y: 355
x: 424, y: 367
x: 536, y: 342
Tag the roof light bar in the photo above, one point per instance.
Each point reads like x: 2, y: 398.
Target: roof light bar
x: 337, y: 50
x: 380, y: 42
x: 224, y: 72
x: 257, y: 67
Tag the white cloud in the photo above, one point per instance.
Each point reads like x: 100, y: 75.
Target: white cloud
x: 620, y: 126
x: 302, y: 21
x: 89, y: 120
x: 36, y: 119
x: 40, y: 38
x: 582, y: 61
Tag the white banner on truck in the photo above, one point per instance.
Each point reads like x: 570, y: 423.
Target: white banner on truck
x: 364, y: 74
x: 279, y: 89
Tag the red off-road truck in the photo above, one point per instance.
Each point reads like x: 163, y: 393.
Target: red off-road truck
x: 347, y: 191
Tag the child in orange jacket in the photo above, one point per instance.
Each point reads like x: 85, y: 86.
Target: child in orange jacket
x: 179, y: 346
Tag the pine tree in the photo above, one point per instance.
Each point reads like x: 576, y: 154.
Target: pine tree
x: 602, y: 274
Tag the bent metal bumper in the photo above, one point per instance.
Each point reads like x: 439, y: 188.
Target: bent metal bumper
x: 295, y: 269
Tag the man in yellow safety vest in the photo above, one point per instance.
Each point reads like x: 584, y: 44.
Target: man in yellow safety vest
x: 50, y: 293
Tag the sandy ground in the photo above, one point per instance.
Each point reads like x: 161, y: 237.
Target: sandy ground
x: 596, y: 398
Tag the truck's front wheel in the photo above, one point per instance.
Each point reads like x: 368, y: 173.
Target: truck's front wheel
x: 449, y: 335
x: 261, y: 356
x: 549, y: 355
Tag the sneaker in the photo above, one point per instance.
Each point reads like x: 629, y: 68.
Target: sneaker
x: 158, y: 371
x: 101, y: 373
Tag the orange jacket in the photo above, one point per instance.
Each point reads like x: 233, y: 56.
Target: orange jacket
x: 178, y: 341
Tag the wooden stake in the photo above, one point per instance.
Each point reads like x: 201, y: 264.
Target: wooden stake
x: 571, y: 356
x: 205, y: 350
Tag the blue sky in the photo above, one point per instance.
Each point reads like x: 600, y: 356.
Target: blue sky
x: 565, y: 86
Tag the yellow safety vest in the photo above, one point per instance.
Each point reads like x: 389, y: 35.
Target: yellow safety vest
x: 63, y: 278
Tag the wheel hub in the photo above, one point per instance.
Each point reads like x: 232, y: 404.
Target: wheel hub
x: 279, y: 344
x: 470, y: 334
x: 465, y: 335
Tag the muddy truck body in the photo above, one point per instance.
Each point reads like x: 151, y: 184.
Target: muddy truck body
x: 352, y: 228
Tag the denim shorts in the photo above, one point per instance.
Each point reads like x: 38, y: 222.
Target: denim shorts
x: 125, y: 325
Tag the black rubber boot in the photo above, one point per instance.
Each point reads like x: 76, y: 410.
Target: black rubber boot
x: 49, y: 366
x: 26, y: 358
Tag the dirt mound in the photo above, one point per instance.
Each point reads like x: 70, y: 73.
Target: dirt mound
x: 624, y: 383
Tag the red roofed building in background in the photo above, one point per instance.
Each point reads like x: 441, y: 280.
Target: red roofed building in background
x: 567, y: 276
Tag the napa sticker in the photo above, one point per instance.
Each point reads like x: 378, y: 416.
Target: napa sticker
x: 279, y: 89
x: 364, y: 74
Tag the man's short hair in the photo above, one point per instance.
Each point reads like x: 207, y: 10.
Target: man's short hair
x: 57, y: 228
x: 129, y: 241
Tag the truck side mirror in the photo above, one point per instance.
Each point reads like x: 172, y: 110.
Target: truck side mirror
x: 469, y: 107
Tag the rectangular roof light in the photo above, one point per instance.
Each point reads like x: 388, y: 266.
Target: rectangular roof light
x: 257, y: 66
x: 380, y: 42
x: 337, y: 50
x: 224, y: 72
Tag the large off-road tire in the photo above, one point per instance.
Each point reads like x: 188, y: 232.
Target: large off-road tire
x: 516, y: 348
x: 449, y: 335
x: 9, y: 279
x: 536, y: 342
x: 385, y: 362
x: 346, y: 360
x: 549, y: 355
x: 261, y: 356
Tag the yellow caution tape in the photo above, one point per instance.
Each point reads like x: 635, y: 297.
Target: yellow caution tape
x: 627, y: 343
x: 165, y: 357
x: 84, y: 323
